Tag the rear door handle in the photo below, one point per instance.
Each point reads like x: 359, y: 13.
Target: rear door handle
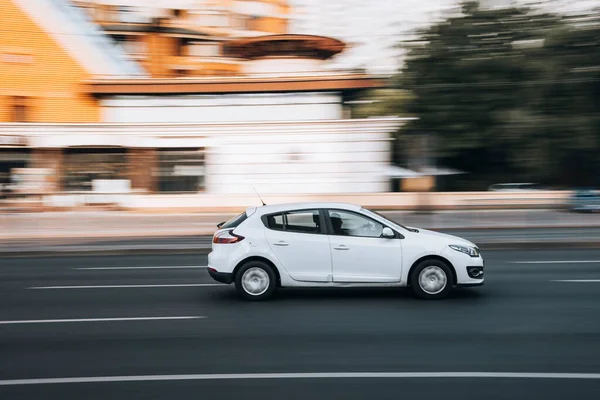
x: 341, y: 247
x: 281, y: 243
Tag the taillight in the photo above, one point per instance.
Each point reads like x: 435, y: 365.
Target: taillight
x: 227, y: 237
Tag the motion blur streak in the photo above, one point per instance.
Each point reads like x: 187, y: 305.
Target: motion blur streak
x: 322, y: 375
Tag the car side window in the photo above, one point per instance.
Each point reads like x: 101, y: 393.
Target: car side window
x: 306, y: 221
x: 275, y: 222
x: 351, y: 224
x: 301, y: 221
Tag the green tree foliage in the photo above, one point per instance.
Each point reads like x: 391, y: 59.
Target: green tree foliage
x: 510, y: 95
x: 379, y: 102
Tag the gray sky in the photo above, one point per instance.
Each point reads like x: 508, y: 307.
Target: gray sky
x: 372, y: 27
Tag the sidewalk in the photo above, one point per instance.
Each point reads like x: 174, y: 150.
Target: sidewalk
x: 117, y: 224
x: 111, y: 233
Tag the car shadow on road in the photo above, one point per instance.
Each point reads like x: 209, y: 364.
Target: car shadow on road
x: 350, y: 294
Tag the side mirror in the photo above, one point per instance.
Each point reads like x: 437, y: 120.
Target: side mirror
x: 221, y: 224
x: 388, y: 233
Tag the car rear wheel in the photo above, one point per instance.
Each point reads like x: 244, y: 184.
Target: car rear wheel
x: 431, y: 280
x: 255, y: 280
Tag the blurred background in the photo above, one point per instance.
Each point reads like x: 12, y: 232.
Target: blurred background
x: 194, y: 105
x: 130, y: 128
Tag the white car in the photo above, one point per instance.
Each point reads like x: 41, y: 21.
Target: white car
x: 337, y: 245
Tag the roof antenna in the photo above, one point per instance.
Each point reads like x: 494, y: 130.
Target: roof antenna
x: 256, y: 191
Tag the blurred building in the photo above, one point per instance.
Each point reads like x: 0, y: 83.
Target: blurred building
x: 263, y: 112
x: 185, y: 38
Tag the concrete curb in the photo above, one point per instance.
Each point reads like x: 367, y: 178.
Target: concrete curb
x: 202, y: 250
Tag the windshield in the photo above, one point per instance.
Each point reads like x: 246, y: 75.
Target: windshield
x: 375, y: 213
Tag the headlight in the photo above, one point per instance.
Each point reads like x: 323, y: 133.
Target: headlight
x: 471, y: 251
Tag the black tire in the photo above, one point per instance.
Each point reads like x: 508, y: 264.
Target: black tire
x: 438, y: 267
x: 255, y: 268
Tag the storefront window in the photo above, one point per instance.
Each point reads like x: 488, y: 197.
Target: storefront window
x: 82, y: 166
x: 10, y: 160
x: 180, y: 170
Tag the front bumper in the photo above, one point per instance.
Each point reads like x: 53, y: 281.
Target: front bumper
x: 471, y: 284
x: 223, y: 277
x: 475, y: 272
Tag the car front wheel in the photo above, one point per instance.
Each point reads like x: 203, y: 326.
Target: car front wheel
x: 255, y: 281
x: 431, y: 280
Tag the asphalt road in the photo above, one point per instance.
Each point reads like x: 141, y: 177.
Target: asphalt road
x: 522, y: 321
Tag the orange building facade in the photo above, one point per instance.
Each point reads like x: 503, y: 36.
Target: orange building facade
x: 39, y: 80
x: 42, y: 78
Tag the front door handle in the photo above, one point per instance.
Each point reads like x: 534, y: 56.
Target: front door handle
x: 281, y: 243
x: 342, y: 247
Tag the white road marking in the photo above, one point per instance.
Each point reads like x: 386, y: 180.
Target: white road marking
x: 315, y: 375
x: 158, y: 267
x: 126, y: 286
x: 578, y: 280
x: 60, y: 321
x: 557, y: 262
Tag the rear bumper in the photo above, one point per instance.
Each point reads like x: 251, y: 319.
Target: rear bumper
x: 223, y: 277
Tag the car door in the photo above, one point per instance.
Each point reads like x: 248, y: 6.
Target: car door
x: 359, y: 253
x: 299, y: 241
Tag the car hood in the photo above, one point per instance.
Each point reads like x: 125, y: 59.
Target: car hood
x: 444, y: 238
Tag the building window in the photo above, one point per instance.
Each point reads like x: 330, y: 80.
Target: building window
x: 132, y: 46
x: 179, y: 13
x: 180, y: 45
x: 204, y: 50
x: 82, y: 166
x: 248, y: 22
x: 180, y: 170
x: 181, y: 73
x: 19, y: 109
x: 10, y: 161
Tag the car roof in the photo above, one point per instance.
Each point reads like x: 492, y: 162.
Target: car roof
x: 273, y: 208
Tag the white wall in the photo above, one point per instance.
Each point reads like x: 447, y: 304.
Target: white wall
x: 223, y: 108
x: 334, y: 156
x: 287, y: 163
x: 282, y: 65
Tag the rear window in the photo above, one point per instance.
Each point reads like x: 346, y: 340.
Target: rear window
x: 235, y: 221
